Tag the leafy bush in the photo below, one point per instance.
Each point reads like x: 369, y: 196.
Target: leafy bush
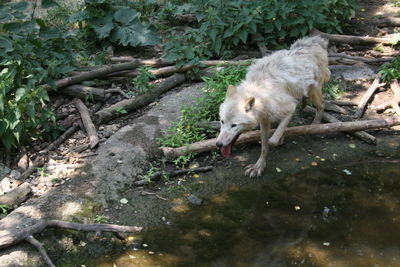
x: 31, y: 54
x: 142, y: 81
x: 189, y: 128
x: 225, y: 24
x: 117, y: 24
x: 391, y: 71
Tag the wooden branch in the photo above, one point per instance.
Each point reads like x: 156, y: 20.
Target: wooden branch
x: 16, y: 196
x: 145, y: 62
x: 371, y: 90
x: 165, y: 71
x: 335, y: 108
x: 263, y: 49
x: 27, y: 233
x: 351, y: 39
x: 361, y: 59
x: 61, y: 139
x: 344, y: 102
x: 87, y: 123
x: 89, y: 75
x: 81, y: 91
x: 39, y: 246
x: 157, y: 175
x: 111, y: 112
x: 396, y: 99
x: 253, y: 136
x: 387, y: 21
x: 116, y: 90
x: 38, y: 162
x: 363, y: 136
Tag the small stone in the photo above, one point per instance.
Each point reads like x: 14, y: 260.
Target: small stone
x: 379, y: 154
x: 5, y: 185
x: 192, y: 199
x: 14, y: 174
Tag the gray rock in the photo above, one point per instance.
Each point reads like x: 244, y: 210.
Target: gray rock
x: 354, y: 72
x: 4, y: 171
x: 14, y: 175
x: 192, y: 199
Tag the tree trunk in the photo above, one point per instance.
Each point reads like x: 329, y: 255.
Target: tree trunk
x: 208, y: 145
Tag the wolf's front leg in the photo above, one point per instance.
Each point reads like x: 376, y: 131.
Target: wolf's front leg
x: 256, y: 169
x: 277, y: 138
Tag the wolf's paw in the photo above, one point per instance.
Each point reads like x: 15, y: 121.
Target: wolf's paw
x: 254, y: 170
x: 275, y: 142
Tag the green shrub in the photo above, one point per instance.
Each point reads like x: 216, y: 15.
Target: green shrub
x: 108, y: 22
x: 32, y: 54
x: 226, y: 24
x: 391, y: 71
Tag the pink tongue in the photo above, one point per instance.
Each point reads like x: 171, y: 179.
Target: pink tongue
x: 226, y: 151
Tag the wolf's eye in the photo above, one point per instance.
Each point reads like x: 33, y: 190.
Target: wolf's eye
x: 234, y: 125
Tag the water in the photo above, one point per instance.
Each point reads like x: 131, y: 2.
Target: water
x: 346, y: 215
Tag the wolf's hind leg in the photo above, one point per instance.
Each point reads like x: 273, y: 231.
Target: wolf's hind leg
x: 316, y: 98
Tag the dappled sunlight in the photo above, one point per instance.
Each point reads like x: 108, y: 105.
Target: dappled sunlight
x: 179, y: 205
x: 142, y: 258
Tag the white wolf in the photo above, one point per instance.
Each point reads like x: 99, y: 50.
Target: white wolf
x: 273, y: 87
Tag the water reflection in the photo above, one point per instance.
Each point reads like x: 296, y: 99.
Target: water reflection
x: 320, y: 217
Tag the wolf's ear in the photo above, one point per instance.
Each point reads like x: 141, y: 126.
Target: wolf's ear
x: 249, y: 103
x: 231, y: 91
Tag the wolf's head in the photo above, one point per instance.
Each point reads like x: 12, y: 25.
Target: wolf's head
x: 236, y: 115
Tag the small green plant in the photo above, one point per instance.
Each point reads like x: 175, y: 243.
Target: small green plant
x: 41, y: 171
x: 190, y: 126
x: 333, y: 89
x: 55, y: 180
x: 153, y: 169
x: 121, y: 110
x: 391, y: 71
x: 379, y: 48
x: 4, y: 209
x: 142, y: 81
x: 100, y: 218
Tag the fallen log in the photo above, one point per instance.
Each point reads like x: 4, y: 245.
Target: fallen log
x: 254, y: 136
x: 38, y: 162
x: 16, y: 196
x: 344, y: 102
x: 387, y: 21
x: 89, y: 75
x: 165, y: 71
x: 360, y: 59
x: 87, y: 123
x: 113, y: 111
x: 81, y: 91
x: 351, y: 39
x: 145, y: 62
x: 27, y: 233
x: 364, y: 100
x: 363, y: 136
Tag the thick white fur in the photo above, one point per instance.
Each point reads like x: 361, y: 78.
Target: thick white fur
x: 273, y: 87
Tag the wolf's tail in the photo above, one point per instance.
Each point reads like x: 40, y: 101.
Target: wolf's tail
x: 310, y: 41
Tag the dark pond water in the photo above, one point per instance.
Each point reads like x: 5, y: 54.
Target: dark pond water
x: 347, y: 215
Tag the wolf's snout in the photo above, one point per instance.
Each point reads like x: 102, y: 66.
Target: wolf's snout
x: 219, y: 144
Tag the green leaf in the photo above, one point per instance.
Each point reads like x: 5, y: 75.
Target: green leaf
x: 20, y: 93
x: 125, y: 15
x: 77, y: 17
x: 243, y: 36
x: 18, y: 6
x: 8, y: 140
x: 48, y: 3
x: 102, y: 26
x: 6, y: 43
x: 134, y: 35
x: 30, y: 109
x: 395, y: 39
x: 213, y: 34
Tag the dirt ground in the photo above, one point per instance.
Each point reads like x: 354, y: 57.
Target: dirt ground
x: 159, y: 202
